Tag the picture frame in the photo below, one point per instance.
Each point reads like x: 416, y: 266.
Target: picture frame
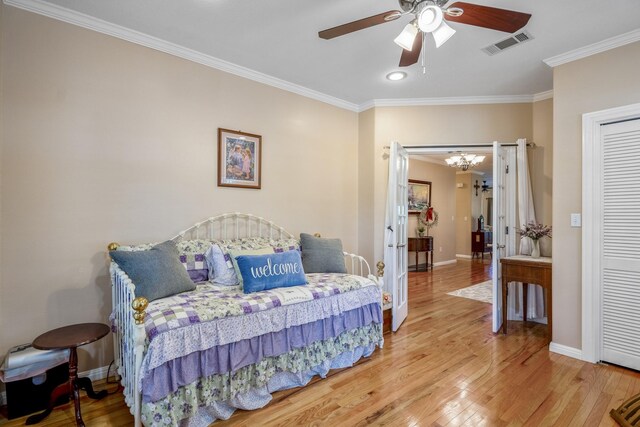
x: 239, y: 159
x: 419, y: 195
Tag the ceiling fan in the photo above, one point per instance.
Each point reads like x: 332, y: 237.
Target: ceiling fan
x: 429, y: 17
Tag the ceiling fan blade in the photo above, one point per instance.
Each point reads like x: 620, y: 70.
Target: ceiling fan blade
x: 410, y: 57
x: 508, y: 21
x: 360, y: 24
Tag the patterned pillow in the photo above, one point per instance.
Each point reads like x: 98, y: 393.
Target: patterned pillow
x: 219, y: 270
x: 270, y: 271
x: 279, y: 245
x: 283, y: 245
x: 192, y: 256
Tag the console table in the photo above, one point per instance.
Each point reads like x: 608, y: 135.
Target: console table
x: 422, y: 244
x: 525, y: 269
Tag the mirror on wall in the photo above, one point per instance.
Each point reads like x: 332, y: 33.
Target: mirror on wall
x: 487, y: 208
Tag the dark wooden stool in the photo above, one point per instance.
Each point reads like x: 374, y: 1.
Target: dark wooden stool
x: 70, y: 337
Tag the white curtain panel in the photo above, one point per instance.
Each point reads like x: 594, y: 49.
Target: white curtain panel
x: 526, y: 214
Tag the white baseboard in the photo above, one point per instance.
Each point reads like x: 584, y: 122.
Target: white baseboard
x: 435, y: 264
x: 450, y: 261
x: 94, y: 374
x: 564, y: 350
x: 463, y: 256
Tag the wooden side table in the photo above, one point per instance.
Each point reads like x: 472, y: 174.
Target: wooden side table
x: 525, y: 269
x: 422, y: 244
x: 70, y: 337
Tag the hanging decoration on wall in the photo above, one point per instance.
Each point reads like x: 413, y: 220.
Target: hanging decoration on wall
x: 419, y: 194
x: 239, y: 159
x: 429, y: 218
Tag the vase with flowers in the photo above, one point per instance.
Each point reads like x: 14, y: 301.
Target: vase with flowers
x: 535, y: 232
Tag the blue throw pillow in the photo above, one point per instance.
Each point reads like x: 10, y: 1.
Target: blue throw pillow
x: 156, y: 273
x: 277, y: 270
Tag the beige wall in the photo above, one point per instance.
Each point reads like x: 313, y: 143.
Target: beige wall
x: 443, y: 183
x: 602, y: 81
x: 104, y: 140
x: 541, y: 166
x: 432, y: 125
x: 366, y: 190
x: 463, y: 214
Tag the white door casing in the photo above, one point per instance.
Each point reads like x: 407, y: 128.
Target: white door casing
x: 504, y: 214
x: 609, y: 263
x: 395, y: 257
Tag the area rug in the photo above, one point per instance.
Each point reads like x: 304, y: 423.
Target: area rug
x: 480, y: 292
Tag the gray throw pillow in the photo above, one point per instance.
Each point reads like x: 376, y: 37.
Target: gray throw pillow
x: 321, y: 255
x: 156, y: 273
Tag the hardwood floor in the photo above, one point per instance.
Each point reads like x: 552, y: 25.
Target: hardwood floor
x: 443, y: 367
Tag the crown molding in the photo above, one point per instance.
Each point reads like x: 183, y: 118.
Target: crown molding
x: 91, y: 23
x: 104, y: 27
x: 543, y: 95
x: 592, y: 49
x: 460, y: 100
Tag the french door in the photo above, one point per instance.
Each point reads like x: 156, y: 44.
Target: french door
x: 504, y: 214
x: 395, y: 257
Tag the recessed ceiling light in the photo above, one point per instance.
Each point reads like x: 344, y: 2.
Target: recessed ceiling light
x: 396, y: 75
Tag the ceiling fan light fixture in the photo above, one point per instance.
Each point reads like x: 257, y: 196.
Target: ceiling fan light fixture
x: 430, y: 18
x: 396, y: 75
x: 407, y: 36
x: 454, y: 11
x: 442, y: 34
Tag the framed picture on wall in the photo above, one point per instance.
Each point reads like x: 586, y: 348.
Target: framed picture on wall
x: 239, y: 159
x: 419, y: 195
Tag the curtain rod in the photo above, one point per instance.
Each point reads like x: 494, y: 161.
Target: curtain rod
x: 462, y: 146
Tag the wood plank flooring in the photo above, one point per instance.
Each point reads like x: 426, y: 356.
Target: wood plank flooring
x: 443, y: 367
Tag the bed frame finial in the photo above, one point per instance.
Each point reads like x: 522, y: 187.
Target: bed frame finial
x: 317, y: 235
x: 113, y: 246
x: 139, y: 305
x: 380, y: 266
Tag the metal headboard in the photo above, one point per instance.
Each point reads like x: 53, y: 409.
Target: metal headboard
x: 232, y: 226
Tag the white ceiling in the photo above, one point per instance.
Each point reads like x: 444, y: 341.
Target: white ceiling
x: 279, y: 38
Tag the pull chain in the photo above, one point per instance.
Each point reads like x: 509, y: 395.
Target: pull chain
x: 422, y: 54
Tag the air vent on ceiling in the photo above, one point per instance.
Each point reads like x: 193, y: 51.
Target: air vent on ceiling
x: 512, y: 40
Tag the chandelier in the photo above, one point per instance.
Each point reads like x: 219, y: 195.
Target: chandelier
x: 464, y: 161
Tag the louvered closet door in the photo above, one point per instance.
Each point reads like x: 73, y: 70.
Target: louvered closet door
x: 621, y: 244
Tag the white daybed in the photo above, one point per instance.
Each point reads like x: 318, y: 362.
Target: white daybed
x: 195, y: 357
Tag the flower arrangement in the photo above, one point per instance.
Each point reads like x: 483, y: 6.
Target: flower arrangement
x: 386, y: 297
x: 535, y: 231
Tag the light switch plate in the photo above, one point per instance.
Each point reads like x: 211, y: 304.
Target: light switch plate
x: 576, y: 220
